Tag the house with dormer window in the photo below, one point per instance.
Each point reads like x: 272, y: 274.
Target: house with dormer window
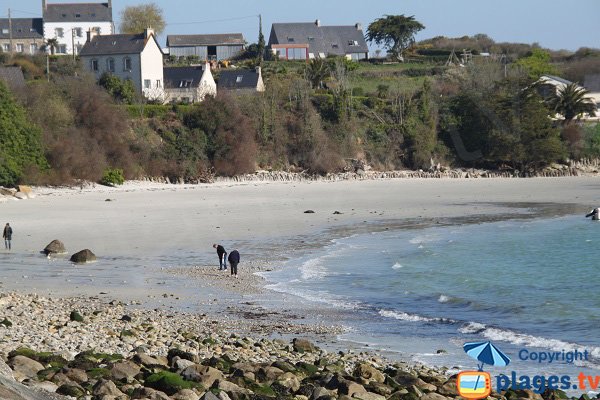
x: 135, y: 57
x: 69, y: 22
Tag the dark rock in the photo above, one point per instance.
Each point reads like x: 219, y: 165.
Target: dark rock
x: 126, y: 318
x: 124, y: 371
x: 83, y: 256
x: 6, y: 323
x: 106, y: 388
x: 202, y: 374
x: 284, y: 366
x: 369, y: 373
x: 181, y: 354
x: 55, y: 247
x: 309, y: 212
x: 337, y: 213
x: 76, y: 375
x: 72, y: 390
x: 75, y: 316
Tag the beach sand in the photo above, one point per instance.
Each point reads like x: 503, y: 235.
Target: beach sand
x: 172, y: 229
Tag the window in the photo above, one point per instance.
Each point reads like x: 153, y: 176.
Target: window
x: 64, y: 15
x: 5, y: 31
x: 311, y: 39
x: 239, y: 79
x: 110, y: 64
x: 291, y: 40
x: 33, y: 48
x: 158, y: 83
x: 96, y: 29
x: 6, y: 47
x: 77, y: 15
x: 127, y: 64
x: 352, y: 43
x: 79, y: 32
x: 62, y: 49
x: 32, y: 30
x: 335, y: 46
x: 20, y: 48
x: 147, y: 83
x: 59, y: 32
x: 94, y: 65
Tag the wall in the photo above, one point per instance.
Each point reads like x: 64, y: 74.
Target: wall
x: 152, y: 69
x: 223, y: 52
x: 25, y: 42
x: 106, y: 28
x: 133, y: 74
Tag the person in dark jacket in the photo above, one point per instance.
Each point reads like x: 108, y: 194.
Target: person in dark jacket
x: 234, y: 260
x: 7, y: 236
x: 222, y: 256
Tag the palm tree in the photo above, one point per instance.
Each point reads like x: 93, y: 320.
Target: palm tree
x: 53, y: 44
x: 316, y: 72
x: 571, y: 101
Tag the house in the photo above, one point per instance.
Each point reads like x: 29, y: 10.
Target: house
x: 27, y: 35
x: 549, y: 85
x: 206, y: 47
x: 137, y: 57
x: 241, y: 80
x: 592, y: 84
x: 69, y: 22
x: 303, y: 41
x: 12, y: 77
x: 189, y: 84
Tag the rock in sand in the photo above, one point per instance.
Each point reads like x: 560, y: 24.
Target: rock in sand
x: 83, y: 256
x: 55, y: 247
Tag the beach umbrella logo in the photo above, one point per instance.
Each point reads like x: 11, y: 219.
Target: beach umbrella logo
x: 478, y: 384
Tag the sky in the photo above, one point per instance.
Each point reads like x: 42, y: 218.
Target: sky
x: 554, y: 24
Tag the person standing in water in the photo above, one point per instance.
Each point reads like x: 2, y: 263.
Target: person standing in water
x: 222, y: 256
x: 7, y: 236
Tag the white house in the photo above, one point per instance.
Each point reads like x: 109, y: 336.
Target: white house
x: 549, y: 85
x: 69, y: 22
x: 136, y: 57
x: 189, y: 84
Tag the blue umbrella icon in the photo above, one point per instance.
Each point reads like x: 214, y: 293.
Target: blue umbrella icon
x: 487, y: 353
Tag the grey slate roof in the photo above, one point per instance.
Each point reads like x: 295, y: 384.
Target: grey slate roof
x: 23, y: 28
x: 182, y: 77
x: 12, y: 76
x: 238, y: 79
x: 223, y: 39
x: 114, y: 44
x: 558, y: 79
x: 78, y: 12
x: 338, y: 40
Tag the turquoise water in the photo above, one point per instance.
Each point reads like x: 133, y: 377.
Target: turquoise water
x: 522, y: 284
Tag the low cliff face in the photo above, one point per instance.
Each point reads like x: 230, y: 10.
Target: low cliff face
x: 12, y: 390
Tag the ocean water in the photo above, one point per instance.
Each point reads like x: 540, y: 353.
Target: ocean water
x: 523, y: 284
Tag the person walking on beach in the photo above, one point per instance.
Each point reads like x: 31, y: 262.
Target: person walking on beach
x: 7, y: 236
x: 234, y: 260
x: 222, y: 256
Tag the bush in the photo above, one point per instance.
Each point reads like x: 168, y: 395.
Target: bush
x: 112, y: 177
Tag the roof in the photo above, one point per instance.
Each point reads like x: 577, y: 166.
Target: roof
x: 556, y: 78
x: 22, y: 28
x: 115, y: 44
x: 78, y: 12
x: 12, y: 76
x: 238, y: 79
x: 182, y: 77
x: 338, y: 40
x: 225, y: 39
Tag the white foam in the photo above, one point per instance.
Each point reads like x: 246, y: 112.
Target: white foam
x: 472, y: 327
x: 397, y: 266
x: 444, y: 299
x: 404, y: 316
x: 313, y: 269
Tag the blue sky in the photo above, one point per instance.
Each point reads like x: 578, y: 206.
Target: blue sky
x: 525, y: 21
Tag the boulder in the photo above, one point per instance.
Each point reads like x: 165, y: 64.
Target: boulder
x: 20, y: 196
x: 369, y: 373
x: 185, y: 394
x: 289, y: 381
x: 9, y: 389
x: 231, y: 387
x: 55, y: 247
x: 7, y: 192
x: 202, y: 374
x: 104, y: 387
x: 148, y: 361
x: 309, y: 212
x: 303, y: 346
x: 24, y: 368
x: 76, y: 375
x: 149, y: 394
x: 369, y: 396
x: 209, y: 396
x: 83, y: 256
x: 350, y: 388
x: 124, y: 370
x: 268, y: 374
x: 26, y: 190
x: 181, y: 363
x: 433, y: 396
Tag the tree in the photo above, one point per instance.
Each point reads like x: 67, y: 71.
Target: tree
x: 537, y: 64
x: 571, y: 101
x: 134, y: 19
x: 316, y: 72
x: 52, y: 44
x: 261, y: 42
x: 121, y: 90
x: 20, y: 141
x: 395, y: 32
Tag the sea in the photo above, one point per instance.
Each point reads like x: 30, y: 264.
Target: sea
x: 528, y: 286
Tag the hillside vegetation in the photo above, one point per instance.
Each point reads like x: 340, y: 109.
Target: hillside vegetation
x: 312, y: 117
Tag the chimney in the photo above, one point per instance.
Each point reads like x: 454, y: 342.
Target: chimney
x: 318, y: 22
x: 147, y: 32
x: 358, y: 26
x: 91, y: 34
x: 44, y: 5
x: 109, y: 3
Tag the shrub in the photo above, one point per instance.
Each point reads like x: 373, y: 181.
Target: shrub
x: 112, y: 177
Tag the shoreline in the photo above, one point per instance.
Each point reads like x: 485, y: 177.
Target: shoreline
x: 290, y: 243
